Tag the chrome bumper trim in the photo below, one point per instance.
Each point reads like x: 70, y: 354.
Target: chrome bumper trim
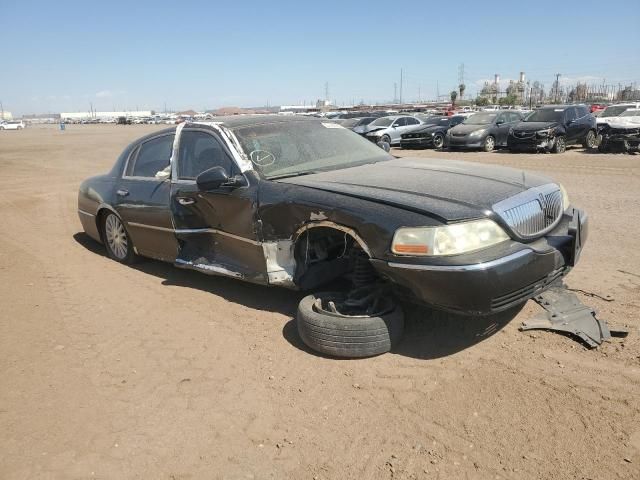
x: 463, y: 268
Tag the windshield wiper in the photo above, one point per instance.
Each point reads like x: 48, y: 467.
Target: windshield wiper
x: 289, y: 175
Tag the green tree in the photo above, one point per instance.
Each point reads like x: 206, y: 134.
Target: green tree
x: 482, y: 101
x: 461, y: 88
x: 454, y: 95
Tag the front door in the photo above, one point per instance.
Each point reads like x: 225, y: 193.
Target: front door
x: 216, y: 229
x: 142, y: 198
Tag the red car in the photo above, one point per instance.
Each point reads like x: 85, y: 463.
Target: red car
x: 597, y: 107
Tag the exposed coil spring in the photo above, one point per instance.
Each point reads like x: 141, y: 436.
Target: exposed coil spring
x: 363, y: 271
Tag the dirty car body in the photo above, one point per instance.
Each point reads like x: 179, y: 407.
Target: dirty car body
x: 290, y: 201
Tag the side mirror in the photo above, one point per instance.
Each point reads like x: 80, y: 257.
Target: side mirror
x: 384, y: 145
x: 215, y: 178
x: 500, y: 122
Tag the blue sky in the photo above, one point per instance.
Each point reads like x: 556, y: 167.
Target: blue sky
x: 59, y: 55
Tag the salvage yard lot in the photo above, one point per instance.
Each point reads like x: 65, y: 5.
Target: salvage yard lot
x: 108, y: 371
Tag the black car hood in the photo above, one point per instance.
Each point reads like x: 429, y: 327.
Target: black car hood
x: 444, y: 189
x: 429, y: 128
x: 534, y: 126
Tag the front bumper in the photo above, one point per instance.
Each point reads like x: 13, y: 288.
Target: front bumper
x: 531, y: 142
x: 416, y: 142
x: 477, y: 284
x: 464, y: 142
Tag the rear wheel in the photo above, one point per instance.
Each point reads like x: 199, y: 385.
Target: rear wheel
x: 438, y: 140
x: 590, y: 140
x: 559, y: 146
x: 489, y: 144
x: 116, y: 239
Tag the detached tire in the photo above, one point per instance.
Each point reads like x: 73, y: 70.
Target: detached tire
x: 349, y: 337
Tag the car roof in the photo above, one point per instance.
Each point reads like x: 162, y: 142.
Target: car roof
x: 237, y: 121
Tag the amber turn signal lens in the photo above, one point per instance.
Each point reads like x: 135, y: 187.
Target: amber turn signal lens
x: 416, y: 249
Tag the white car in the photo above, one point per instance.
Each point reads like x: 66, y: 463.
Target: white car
x: 389, y: 129
x: 614, y: 111
x: 12, y: 125
x: 630, y: 118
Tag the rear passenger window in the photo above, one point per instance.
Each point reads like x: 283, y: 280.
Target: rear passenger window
x: 152, y: 157
x: 412, y: 121
x: 401, y: 122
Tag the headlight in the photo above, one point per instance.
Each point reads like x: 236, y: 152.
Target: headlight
x: 447, y: 239
x: 478, y: 133
x: 510, y: 130
x: 565, y: 197
x: 545, y: 133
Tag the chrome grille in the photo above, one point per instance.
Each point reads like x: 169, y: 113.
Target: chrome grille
x: 533, y: 212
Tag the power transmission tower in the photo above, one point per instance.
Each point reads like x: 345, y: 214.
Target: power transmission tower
x: 400, y: 85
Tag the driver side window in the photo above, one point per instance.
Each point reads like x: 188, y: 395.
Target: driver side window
x: 200, y: 151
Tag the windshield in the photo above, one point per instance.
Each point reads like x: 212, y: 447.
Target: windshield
x: 481, y: 119
x: 294, y: 148
x: 382, y: 122
x: 546, y: 115
x: 614, y: 110
x: 632, y: 112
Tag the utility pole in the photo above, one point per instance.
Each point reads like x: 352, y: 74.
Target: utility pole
x: 419, y: 101
x: 1, y: 111
x: 326, y: 91
x: 461, y: 76
x: 400, y: 85
x: 437, y: 91
x: 395, y: 92
x: 558, y: 87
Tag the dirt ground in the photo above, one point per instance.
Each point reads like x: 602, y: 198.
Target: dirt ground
x: 116, y: 372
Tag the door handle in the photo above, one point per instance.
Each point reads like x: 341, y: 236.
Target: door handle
x: 122, y: 192
x: 186, y: 200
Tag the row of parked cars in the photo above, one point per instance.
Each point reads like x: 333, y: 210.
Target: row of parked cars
x: 548, y: 128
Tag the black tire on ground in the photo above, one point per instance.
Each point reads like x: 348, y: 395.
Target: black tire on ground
x: 350, y: 337
x: 559, y: 146
x: 120, y: 249
x: 603, y: 148
x: 386, y: 138
x: 590, y: 140
x: 489, y: 144
x: 438, y: 140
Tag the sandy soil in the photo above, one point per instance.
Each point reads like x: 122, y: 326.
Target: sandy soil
x: 108, y: 371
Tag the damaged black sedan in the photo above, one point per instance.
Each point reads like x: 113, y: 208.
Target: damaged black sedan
x: 307, y: 204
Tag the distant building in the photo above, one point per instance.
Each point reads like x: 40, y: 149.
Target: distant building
x: 88, y: 115
x: 4, y: 115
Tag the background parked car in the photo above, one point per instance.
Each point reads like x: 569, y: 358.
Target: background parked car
x: 552, y: 128
x: 12, y: 125
x: 354, y: 123
x: 484, y: 130
x: 389, y: 129
x: 431, y: 134
x: 621, y: 133
x: 615, y: 111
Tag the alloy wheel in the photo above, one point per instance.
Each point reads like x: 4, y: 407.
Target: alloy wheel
x: 116, y: 237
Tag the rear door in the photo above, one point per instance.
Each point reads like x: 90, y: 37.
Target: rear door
x: 397, y: 129
x: 216, y: 229
x: 143, y: 195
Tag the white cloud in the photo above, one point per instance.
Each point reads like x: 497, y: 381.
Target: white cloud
x: 104, y: 94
